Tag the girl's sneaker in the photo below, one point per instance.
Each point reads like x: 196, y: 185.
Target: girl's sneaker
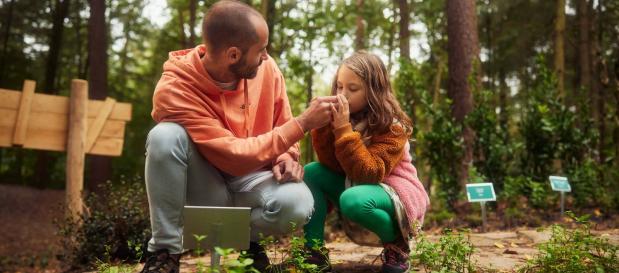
x: 395, y: 257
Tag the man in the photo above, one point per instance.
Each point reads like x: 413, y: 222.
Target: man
x: 226, y: 136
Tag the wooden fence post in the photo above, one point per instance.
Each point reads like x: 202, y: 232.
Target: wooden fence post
x: 76, y: 142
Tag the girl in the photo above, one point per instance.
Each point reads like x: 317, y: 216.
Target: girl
x: 364, y: 166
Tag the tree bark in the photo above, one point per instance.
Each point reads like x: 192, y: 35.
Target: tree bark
x: 43, y: 158
x: 596, y: 92
x: 503, y: 115
x: 560, y: 46
x: 463, y: 51
x: 405, y: 51
x: 391, y: 39
x: 100, y: 166
x: 616, y: 93
x: 181, y: 27
x: 6, y: 37
x: 5, y: 43
x: 405, y: 54
x: 584, y: 62
x: 268, y: 11
x: 82, y: 62
x: 192, y: 22
x: 360, y: 32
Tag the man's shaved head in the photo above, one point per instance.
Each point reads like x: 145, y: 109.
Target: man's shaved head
x: 230, y: 23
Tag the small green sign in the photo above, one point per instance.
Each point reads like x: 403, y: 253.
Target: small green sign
x: 560, y: 183
x: 480, y: 192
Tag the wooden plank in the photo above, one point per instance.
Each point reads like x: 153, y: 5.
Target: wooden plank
x: 23, y: 114
x: 51, y: 141
x: 55, y: 122
x: 97, y: 125
x: 7, y: 125
x: 75, y: 147
x: 9, y: 99
x: 48, y: 122
x: 103, y: 146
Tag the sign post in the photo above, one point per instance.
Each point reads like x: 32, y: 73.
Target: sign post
x: 75, y: 125
x: 562, y: 185
x: 481, y: 192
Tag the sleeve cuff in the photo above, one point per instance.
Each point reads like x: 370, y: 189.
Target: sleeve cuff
x: 342, y: 131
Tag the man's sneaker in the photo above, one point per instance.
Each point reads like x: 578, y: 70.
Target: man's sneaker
x: 395, y: 257
x: 259, y: 255
x: 162, y: 262
x: 319, y: 258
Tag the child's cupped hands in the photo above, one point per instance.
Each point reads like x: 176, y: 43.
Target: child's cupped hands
x: 341, y: 112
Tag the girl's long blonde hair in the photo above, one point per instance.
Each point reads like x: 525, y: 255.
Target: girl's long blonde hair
x: 383, y: 108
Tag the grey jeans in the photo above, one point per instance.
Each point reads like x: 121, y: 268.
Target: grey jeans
x: 177, y: 174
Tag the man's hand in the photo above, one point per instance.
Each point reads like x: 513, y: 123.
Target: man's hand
x: 317, y: 114
x: 341, y: 112
x: 288, y: 171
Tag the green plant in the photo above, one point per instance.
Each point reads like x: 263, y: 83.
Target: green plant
x: 230, y: 265
x: 493, y: 151
x: 116, y: 224
x: 442, y: 147
x: 200, y: 266
x: 108, y: 266
x: 238, y: 265
x: 293, y: 257
x: 574, y: 250
x: 452, y: 253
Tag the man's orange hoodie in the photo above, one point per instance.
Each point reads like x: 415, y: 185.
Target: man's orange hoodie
x: 240, y: 131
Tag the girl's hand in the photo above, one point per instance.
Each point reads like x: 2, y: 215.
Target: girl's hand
x: 341, y: 113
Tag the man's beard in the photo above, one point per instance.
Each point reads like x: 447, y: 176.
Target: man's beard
x: 243, y: 71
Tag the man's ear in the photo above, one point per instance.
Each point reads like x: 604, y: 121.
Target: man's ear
x: 233, y: 55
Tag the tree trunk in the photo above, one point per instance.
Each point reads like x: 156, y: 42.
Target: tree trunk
x: 438, y: 78
x: 5, y: 43
x: 503, y: 115
x: 192, y: 22
x: 616, y: 93
x: 559, y: 46
x: 309, y: 150
x: 391, y: 40
x: 6, y: 37
x: 584, y: 63
x: 82, y: 59
x: 43, y: 158
x: 360, y: 32
x: 268, y: 11
x: 405, y: 52
x: 596, y: 92
x: 463, y: 50
x: 99, y: 166
x: 181, y: 28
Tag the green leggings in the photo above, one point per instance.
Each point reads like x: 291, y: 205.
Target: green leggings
x: 368, y: 205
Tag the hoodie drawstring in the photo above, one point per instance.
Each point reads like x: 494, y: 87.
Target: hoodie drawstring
x: 246, y: 107
x: 224, y: 104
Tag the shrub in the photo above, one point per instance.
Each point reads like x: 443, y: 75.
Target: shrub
x: 452, y: 253
x: 574, y: 250
x: 115, y: 227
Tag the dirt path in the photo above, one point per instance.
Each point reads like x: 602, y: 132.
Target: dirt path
x: 28, y: 242
x: 500, y: 251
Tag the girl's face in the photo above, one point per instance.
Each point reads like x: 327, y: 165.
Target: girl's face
x: 351, y: 86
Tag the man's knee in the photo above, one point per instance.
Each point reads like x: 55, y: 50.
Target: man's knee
x: 166, y: 139
x: 291, y: 206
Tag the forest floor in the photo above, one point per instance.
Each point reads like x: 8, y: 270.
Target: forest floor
x: 33, y: 249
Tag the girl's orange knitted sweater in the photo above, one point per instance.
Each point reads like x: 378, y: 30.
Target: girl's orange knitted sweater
x: 342, y: 150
